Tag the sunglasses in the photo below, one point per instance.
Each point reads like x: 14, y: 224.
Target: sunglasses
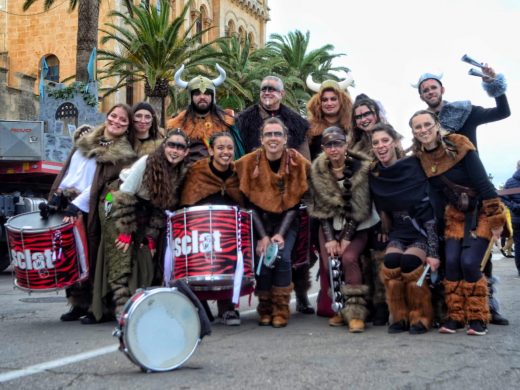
x: 273, y: 134
x: 334, y: 144
x: 176, y: 145
x: 364, y: 115
x: 269, y: 88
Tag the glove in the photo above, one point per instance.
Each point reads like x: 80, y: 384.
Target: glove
x: 55, y: 202
x: 151, y: 243
x: 71, y: 211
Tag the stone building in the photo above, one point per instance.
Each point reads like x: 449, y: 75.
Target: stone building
x: 26, y: 38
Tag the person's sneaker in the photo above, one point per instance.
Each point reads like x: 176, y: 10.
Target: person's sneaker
x: 231, y: 318
x: 476, y: 328
x: 498, y: 319
x: 398, y: 327
x: 418, y: 328
x: 450, y: 326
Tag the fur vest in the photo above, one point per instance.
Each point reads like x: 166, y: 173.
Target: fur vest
x: 201, y: 182
x: 329, y: 200
x: 251, y: 120
x: 201, y: 127
x: 273, y: 192
x: 438, y: 161
x: 148, y: 146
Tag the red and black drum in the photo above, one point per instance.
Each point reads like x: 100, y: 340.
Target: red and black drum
x: 209, y: 247
x: 300, y: 254
x: 47, y: 254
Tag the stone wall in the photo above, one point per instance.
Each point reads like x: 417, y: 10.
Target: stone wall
x: 18, y: 101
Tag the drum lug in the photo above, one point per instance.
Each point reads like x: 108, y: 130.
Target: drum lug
x: 117, y: 332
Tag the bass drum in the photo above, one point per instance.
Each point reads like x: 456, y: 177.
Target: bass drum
x: 159, y: 329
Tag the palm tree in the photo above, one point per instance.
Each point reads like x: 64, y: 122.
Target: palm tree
x: 150, y: 47
x: 297, y: 62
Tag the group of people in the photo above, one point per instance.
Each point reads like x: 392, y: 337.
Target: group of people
x: 387, y: 217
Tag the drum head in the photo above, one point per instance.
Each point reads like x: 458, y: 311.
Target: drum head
x: 34, y: 222
x: 162, y: 330
x: 270, y: 254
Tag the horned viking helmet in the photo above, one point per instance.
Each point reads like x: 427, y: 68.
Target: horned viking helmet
x: 200, y: 82
x: 330, y: 84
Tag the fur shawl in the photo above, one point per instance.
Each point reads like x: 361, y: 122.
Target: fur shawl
x: 328, y: 199
x: 115, y: 152
x: 438, y: 161
x: 251, y: 120
x: 270, y: 191
x: 201, y: 127
x: 201, y: 182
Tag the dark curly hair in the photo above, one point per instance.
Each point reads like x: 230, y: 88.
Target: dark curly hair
x: 161, y: 178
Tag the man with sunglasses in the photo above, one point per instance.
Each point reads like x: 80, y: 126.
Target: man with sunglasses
x: 462, y: 117
x: 203, y: 117
x: 250, y: 122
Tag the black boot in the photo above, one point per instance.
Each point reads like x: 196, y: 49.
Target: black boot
x: 74, y: 314
x: 380, y: 314
x: 498, y: 319
x: 303, y: 305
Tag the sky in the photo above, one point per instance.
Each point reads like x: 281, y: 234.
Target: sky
x: 389, y: 44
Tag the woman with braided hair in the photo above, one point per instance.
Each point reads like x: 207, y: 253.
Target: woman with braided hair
x: 273, y: 180
x: 149, y: 186
x: 473, y: 216
x: 340, y: 199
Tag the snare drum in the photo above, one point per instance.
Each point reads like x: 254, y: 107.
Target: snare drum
x: 47, y: 254
x: 159, y: 329
x: 205, y: 244
x: 300, y: 254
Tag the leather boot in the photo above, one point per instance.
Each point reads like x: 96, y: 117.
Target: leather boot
x: 419, y: 301
x: 355, y: 311
x: 302, y: 283
x: 477, y: 306
x: 395, y: 298
x: 281, y: 312
x: 455, y: 302
x: 265, y: 307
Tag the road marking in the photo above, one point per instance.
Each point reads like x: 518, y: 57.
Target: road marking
x: 56, y: 363
x: 37, y: 368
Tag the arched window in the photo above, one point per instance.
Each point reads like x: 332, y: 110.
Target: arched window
x: 242, y: 34
x: 53, y: 74
x: 67, y: 113
x: 252, y: 43
x: 230, y: 29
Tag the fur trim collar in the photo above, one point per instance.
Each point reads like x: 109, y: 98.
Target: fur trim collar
x: 270, y: 191
x: 329, y: 200
x: 453, y: 115
x: 147, y: 147
x: 437, y: 162
x: 497, y: 87
x: 112, y: 153
x: 200, y: 127
x: 201, y: 183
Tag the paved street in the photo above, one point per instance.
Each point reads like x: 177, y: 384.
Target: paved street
x: 40, y: 352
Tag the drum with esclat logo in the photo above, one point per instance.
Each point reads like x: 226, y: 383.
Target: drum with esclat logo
x: 47, y: 254
x: 209, y: 247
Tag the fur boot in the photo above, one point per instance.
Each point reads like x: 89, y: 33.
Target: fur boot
x: 121, y: 294
x: 265, y: 307
x: 419, y: 301
x: 281, y: 312
x: 301, y: 278
x: 477, y: 306
x: 395, y: 291
x: 80, y: 295
x: 455, y: 300
x: 355, y: 311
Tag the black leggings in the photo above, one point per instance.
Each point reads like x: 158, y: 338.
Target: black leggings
x: 464, y: 263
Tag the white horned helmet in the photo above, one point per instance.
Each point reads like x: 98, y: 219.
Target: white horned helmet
x: 330, y: 84
x: 200, y: 83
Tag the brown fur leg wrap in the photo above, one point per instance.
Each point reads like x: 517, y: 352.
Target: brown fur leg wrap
x: 281, y: 298
x: 355, y: 302
x: 265, y: 304
x: 477, y: 305
x: 121, y: 294
x: 395, y: 293
x: 455, y: 300
x: 419, y: 299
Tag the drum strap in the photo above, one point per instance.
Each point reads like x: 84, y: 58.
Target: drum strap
x: 239, y: 270
x: 169, y: 254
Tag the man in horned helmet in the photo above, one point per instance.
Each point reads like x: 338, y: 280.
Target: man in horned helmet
x: 330, y: 106
x: 203, y: 117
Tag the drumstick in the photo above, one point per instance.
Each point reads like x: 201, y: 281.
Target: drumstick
x: 423, y: 276
x: 259, y: 267
x: 486, y: 255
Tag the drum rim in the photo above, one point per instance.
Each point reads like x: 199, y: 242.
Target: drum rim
x: 148, y: 292
x: 33, y: 230
x: 189, y: 280
x: 209, y: 208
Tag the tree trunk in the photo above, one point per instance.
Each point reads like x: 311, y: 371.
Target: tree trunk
x: 88, y: 17
x: 157, y: 103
